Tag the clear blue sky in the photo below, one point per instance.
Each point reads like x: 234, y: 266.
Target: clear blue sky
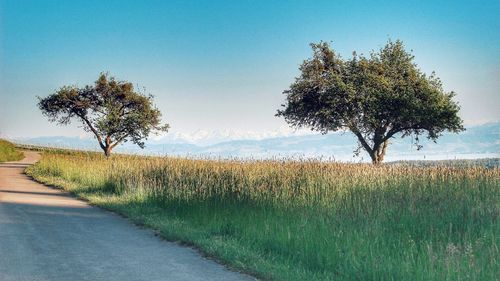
x: 222, y: 65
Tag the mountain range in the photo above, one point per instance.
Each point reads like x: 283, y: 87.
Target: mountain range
x: 481, y: 141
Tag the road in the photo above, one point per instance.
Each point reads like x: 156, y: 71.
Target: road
x: 47, y: 235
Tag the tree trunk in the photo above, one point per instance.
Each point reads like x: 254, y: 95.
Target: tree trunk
x: 107, y: 147
x: 378, y: 153
x: 107, y: 151
x: 375, y: 158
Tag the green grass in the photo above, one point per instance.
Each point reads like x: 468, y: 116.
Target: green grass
x: 8, y: 152
x: 305, y: 220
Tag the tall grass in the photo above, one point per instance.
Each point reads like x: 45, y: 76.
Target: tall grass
x: 293, y: 220
x: 8, y: 152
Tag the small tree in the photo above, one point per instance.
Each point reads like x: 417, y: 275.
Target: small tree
x: 375, y: 97
x: 110, y: 109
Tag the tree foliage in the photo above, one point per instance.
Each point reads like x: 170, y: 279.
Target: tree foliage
x: 112, y: 110
x: 375, y: 97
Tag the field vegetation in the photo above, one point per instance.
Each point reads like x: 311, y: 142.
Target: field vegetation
x: 8, y: 152
x: 303, y: 220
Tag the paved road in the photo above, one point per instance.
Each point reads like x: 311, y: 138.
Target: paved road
x: 47, y: 235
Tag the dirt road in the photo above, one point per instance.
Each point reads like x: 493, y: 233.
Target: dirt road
x: 47, y: 235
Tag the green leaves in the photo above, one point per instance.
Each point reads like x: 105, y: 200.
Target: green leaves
x: 376, y: 97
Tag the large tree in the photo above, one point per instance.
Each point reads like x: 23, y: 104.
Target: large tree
x: 375, y: 97
x: 112, y: 110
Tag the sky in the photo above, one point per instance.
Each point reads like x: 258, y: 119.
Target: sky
x: 220, y: 67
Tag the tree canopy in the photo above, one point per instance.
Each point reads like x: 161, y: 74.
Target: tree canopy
x: 375, y: 97
x: 112, y: 110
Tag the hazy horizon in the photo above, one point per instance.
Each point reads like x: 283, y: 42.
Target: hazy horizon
x: 481, y: 141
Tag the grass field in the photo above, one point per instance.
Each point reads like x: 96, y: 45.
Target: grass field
x: 292, y: 220
x: 8, y: 152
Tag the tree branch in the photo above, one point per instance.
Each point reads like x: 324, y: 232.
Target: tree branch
x: 119, y: 140
x: 99, y: 138
x: 361, y: 139
x: 394, y: 131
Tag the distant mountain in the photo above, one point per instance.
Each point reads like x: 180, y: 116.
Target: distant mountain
x: 476, y: 142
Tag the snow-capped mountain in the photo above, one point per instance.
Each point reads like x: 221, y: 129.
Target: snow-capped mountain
x: 476, y: 142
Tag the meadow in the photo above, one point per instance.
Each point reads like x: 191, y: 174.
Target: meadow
x: 302, y: 220
x: 8, y: 152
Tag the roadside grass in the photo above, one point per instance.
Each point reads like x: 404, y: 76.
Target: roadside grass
x: 302, y: 220
x: 8, y: 152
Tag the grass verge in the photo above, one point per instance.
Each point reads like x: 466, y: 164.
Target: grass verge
x: 8, y: 152
x: 303, y: 220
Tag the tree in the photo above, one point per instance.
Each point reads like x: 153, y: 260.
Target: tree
x: 375, y: 97
x: 110, y: 109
